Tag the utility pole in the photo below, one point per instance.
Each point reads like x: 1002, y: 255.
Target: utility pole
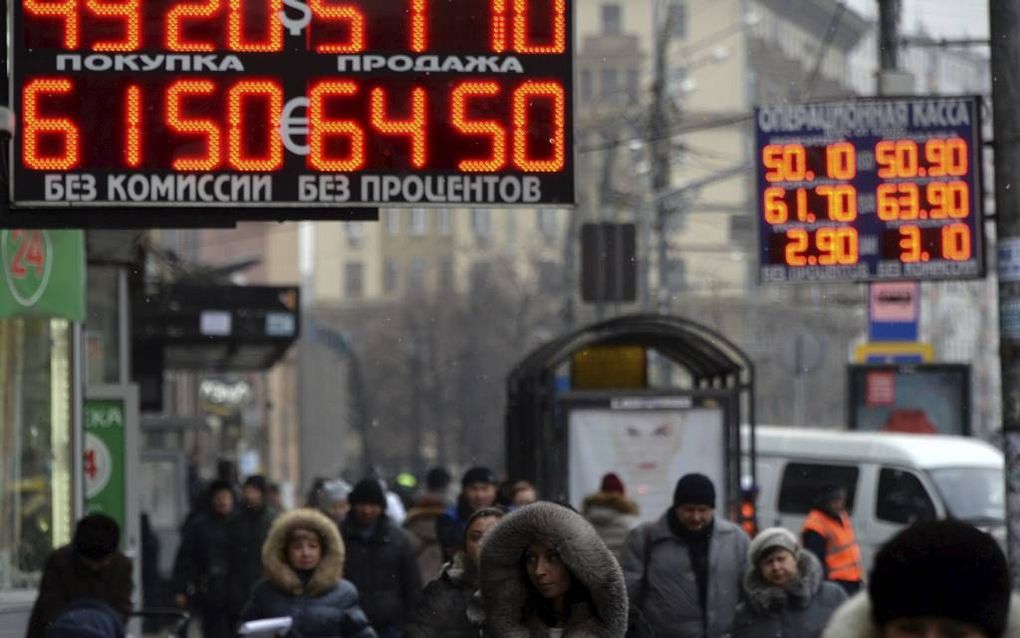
x: 659, y: 147
x: 1004, y: 20
x: 888, y: 35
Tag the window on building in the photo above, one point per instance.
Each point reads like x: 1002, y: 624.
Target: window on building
x: 677, y: 17
x: 633, y: 86
x: 444, y: 223
x: 612, y: 19
x: 392, y: 222
x: 446, y: 274
x: 354, y: 279
x: 391, y: 275
x: 481, y: 222
x: 419, y: 221
x: 547, y: 223
x: 416, y: 274
x: 609, y: 84
x: 902, y: 498
x: 802, y: 483
x: 355, y: 234
x: 480, y: 274
x: 587, y: 90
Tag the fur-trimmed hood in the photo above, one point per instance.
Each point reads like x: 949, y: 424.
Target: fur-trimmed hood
x: 274, y: 553
x: 612, y: 501
x: 766, y: 598
x: 853, y: 620
x: 505, y: 590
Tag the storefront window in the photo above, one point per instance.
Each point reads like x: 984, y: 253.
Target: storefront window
x: 102, y: 344
x: 36, y: 513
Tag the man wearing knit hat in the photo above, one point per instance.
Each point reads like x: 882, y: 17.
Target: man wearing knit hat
x: 380, y: 561
x: 479, y: 490
x: 934, y: 579
x: 684, y: 571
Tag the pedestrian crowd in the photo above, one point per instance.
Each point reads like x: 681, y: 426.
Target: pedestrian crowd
x: 496, y: 561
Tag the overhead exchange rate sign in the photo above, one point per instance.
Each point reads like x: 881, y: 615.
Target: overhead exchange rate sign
x: 297, y: 103
x: 870, y: 190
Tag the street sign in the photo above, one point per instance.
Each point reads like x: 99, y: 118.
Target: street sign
x: 43, y: 274
x: 105, y: 475
x: 894, y: 309
x: 895, y: 352
x: 295, y: 105
x: 870, y: 190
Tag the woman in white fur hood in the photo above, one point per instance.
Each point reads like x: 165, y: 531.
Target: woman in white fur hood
x: 936, y: 579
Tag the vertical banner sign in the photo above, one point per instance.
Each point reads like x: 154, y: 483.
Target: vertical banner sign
x: 105, y: 475
x: 43, y: 274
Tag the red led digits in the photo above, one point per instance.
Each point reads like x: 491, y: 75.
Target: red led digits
x: 956, y: 242
x: 185, y: 12
x: 798, y: 241
x: 910, y: 244
x: 273, y: 39
x: 413, y: 127
x: 321, y: 129
x: 65, y: 10
x: 522, y: 43
x: 419, y: 26
x: 493, y: 130
x: 271, y: 94
x: 34, y: 127
x: 837, y: 246
x: 949, y: 200
x: 499, y: 25
x: 841, y: 161
x: 523, y: 98
x: 842, y: 201
x: 776, y: 209
x: 133, y: 126
x: 946, y: 157
x: 785, y: 162
x: 341, y: 13
x: 208, y: 129
x: 897, y: 159
x: 130, y: 12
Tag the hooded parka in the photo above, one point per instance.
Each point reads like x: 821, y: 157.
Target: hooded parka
x: 505, y: 587
x: 800, y: 610
x: 421, y: 527
x: 662, y: 585
x: 321, y: 603
x: 612, y: 515
x: 450, y: 608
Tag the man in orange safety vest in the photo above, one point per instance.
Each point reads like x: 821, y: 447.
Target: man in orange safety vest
x: 829, y: 534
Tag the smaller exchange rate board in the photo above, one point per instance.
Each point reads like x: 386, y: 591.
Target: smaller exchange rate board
x: 870, y: 190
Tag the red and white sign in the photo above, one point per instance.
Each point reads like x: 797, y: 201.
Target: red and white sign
x: 881, y: 389
x: 895, y: 302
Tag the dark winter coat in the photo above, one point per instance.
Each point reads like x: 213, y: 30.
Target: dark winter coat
x: 449, y: 607
x: 322, y: 604
x: 421, y: 527
x: 662, y: 585
x: 612, y: 515
x: 506, y: 589
x: 246, y: 532
x: 202, y: 563
x: 854, y: 620
x: 450, y: 528
x: 67, y: 579
x: 799, y: 611
x: 384, y: 569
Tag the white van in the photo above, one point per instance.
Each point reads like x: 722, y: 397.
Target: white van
x: 891, y: 479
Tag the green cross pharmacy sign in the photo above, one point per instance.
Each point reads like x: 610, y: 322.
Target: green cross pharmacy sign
x: 43, y: 274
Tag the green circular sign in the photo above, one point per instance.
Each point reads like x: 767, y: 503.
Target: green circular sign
x: 27, y: 263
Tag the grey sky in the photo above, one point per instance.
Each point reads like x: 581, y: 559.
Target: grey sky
x: 941, y: 18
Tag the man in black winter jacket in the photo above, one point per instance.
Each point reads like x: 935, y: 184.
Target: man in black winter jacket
x: 246, y: 532
x: 380, y: 562
x: 201, y: 566
x: 478, y: 491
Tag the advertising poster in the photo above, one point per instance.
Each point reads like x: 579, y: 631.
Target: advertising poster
x: 649, y: 450
x: 105, y: 487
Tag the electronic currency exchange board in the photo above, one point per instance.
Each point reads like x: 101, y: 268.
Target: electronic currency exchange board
x: 870, y: 190
x: 291, y: 103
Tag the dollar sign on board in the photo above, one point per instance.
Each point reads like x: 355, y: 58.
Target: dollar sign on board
x: 295, y: 27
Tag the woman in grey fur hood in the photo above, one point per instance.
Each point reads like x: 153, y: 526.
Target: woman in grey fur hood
x: 785, y: 593
x: 935, y: 578
x: 303, y: 560
x: 546, y: 573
